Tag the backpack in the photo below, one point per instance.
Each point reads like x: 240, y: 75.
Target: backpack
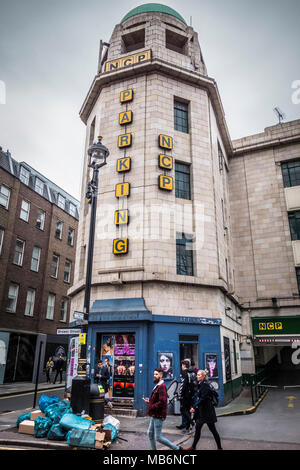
x: 214, y: 396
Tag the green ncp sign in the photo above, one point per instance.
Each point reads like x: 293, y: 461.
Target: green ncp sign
x: 276, y: 325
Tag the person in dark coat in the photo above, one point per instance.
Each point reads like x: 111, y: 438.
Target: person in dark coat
x: 102, y: 376
x: 59, y: 364
x: 204, y: 410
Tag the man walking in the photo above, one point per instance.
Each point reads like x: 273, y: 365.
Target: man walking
x: 59, y: 368
x: 186, y: 394
x: 157, y: 410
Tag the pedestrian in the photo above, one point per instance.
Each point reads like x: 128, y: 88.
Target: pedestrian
x: 157, y: 410
x: 58, y: 367
x: 49, y: 367
x: 204, y: 410
x: 186, y: 394
x: 102, y: 375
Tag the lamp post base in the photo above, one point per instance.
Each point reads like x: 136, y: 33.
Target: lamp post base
x: 80, y: 394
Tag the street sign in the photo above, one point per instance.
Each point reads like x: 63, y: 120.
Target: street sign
x: 78, y: 315
x: 68, y: 331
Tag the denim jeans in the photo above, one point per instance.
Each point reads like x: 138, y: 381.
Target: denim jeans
x: 154, y: 434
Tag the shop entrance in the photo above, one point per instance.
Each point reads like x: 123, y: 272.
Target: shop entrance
x: 117, y: 351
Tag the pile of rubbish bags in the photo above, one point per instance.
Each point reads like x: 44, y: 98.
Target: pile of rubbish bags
x: 57, y: 422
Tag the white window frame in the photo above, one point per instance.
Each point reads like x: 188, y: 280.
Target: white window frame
x: 18, y: 253
x: 4, y: 198
x: 13, y: 296
x: 39, y: 186
x: 72, y: 209
x: 63, y: 309
x: 1, y: 238
x: 59, y: 231
x: 50, y: 307
x: 61, y: 201
x: 35, y: 259
x: 41, y: 217
x: 54, y: 255
x: 30, y: 300
x: 24, y: 175
x: 24, y: 212
x: 67, y: 270
x: 71, y: 237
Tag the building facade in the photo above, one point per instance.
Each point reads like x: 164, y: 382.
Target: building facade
x: 163, y: 285
x: 38, y: 230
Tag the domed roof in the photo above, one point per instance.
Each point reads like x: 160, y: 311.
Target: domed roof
x: 152, y: 7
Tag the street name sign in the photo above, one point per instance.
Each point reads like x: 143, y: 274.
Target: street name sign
x: 68, y: 331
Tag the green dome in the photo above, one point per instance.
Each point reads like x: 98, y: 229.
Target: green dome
x: 152, y: 7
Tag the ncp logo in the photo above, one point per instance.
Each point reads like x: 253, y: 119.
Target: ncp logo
x: 2, y: 92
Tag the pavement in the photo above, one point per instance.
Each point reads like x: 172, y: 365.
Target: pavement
x: 132, y: 431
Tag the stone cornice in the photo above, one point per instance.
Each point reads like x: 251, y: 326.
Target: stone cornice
x: 259, y: 146
x: 158, y: 65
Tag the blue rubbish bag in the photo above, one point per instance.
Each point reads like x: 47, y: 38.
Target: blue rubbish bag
x: 45, y: 401
x: 81, y: 438
x: 57, y: 410
x: 71, y: 421
x: 42, y: 425
x: 114, y: 431
x: 22, y: 418
x: 56, y: 433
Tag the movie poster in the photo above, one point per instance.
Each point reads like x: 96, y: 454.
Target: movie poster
x: 211, y: 365
x: 124, y: 365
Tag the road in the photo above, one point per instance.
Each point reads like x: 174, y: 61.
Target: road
x: 25, y: 400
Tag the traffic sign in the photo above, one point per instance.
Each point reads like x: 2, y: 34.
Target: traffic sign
x: 68, y: 331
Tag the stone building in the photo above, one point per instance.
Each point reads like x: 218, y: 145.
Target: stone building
x: 38, y: 230
x: 163, y: 285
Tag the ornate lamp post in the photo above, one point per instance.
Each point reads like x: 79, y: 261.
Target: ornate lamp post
x: 98, y: 154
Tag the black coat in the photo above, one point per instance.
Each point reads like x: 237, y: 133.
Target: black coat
x: 103, y: 380
x: 204, y: 409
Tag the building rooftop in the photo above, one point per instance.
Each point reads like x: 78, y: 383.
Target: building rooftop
x: 152, y: 7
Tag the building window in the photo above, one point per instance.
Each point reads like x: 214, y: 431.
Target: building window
x: 220, y: 157
x: 67, y: 271
x: 63, y: 309
x: 4, y: 196
x: 12, y: 297
x: 133, y: 41
x: 72, y: 209
x: 58, y: 230
x: 294, y: 221
x: 1, y: 239
x: 30, y: 299
x: 54, y: 266
x: 71, y: 234
x: 181, y: 116
x: 50, y: 307
x: 298, y: 279
x: 291, y: 174
x: 184, y: 255
x: 61, y: 202
x: 25, y: 209
x: 40, y: 220
x: 35, y: 259
x: 182, y: 181
x: 24, y: 175
x: 39, y: 186
x: 176, y: 42
x: 19, y: 252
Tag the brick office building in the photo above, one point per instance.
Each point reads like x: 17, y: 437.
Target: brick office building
x: 38, y: 229
x: 193, y: 243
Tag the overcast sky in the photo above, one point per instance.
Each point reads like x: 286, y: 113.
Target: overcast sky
x: 49, y: 53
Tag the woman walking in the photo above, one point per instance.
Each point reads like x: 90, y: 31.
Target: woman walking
x: 204, y: 410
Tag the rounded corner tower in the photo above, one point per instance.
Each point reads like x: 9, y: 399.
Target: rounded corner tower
x: 162, y: 272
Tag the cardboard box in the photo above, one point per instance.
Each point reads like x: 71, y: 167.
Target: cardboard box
x: 99, y: 445
x: 26, y: 427
x: 35, y: 414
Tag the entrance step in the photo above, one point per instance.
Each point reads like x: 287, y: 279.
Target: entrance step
x: 121, y: 407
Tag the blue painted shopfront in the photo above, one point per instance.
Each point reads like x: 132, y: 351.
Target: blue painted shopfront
x: 154, y: 334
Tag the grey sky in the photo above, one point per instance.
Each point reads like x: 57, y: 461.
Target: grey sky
x: 48, y: 58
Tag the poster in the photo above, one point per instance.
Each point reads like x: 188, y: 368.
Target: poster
x: 227, y: 358
x: 211, y: 364
x: 72, y: 361
x: 165, y: 362
x: 123, y: 365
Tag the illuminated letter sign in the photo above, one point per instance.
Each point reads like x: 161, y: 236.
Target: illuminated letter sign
x: 123, y: 164
x: 126, y: 96
x: 124, y: 140
x: 165, y: 182
x: 120, y: 246
x: 165, y: 162
x: 165, y: 142
x: 125, y: 118
x: 122, y: 189
x: 121, y: 217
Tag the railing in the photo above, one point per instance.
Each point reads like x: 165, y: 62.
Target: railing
x: 257, y: 390
x: 253, y: 381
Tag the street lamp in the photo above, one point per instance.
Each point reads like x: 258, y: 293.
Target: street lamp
x: 98, y: 154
